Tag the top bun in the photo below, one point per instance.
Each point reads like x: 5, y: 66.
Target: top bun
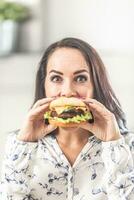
x: 64, y: 101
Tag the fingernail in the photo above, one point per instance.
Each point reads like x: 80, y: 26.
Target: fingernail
x: 53, y: 97
x: 88, y: 101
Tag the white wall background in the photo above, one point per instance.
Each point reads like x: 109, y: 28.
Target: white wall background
x: 107, y: 25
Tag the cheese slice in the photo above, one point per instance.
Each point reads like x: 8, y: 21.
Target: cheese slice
x: 59, y: 110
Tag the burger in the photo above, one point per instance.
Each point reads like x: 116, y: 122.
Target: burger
x: 68, y: 112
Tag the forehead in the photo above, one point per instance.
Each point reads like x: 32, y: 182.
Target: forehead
x: 67, y: 59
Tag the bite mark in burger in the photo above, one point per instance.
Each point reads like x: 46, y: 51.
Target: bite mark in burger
x: 68, y: 112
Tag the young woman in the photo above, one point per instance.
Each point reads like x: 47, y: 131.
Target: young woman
x: 90, y: 161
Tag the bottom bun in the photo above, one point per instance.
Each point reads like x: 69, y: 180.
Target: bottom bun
x: 61, y: 124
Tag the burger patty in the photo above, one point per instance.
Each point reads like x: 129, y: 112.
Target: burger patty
x: 67, y: 113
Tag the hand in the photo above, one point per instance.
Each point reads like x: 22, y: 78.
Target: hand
x: 34, y: 127
x: 105, y: 126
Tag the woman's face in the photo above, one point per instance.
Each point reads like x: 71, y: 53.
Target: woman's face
x: 68, y: 75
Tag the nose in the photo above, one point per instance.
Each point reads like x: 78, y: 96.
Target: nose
x: 68, y: 90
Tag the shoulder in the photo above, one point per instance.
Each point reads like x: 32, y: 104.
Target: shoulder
x: 13, y: 144
x: 129, y: 139
x: 12, y: 136
x: 12, y: 141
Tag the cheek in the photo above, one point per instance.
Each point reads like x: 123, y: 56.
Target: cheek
x: 86, y: 91
x: 50, y: 89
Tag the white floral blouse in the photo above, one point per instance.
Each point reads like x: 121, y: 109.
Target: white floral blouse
x: 40, y: 171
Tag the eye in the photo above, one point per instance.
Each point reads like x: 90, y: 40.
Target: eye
x: 56, y: 78
x: 81, y: 78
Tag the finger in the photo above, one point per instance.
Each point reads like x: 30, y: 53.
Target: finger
x: 90, y: 108
x: 99, y: 111
x: 87, y: 126
x: 97, y: 108
x: 43, y: 101
x: 93, y: 101
x: 39, y: 110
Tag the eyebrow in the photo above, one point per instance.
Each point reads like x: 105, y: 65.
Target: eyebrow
x: 77, y: 72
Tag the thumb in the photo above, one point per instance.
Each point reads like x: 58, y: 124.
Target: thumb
x: 49, y: 129
x: 86, y: 126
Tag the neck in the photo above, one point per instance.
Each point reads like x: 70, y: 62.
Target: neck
x: 72, y: 136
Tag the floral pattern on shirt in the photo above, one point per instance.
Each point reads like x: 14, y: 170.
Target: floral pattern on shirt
x: 41, y: 171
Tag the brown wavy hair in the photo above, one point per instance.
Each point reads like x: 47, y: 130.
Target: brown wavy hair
x: 103, y: 91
